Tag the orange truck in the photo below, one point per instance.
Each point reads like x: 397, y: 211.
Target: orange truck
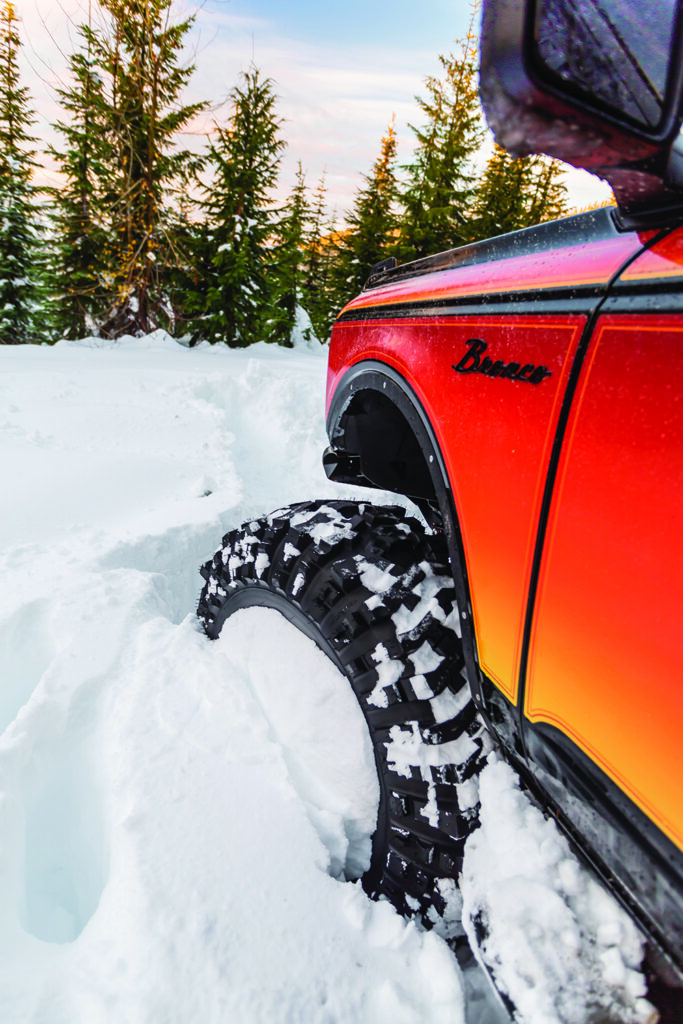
x: 524, y: 392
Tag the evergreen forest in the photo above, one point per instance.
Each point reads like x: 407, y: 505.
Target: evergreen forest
x: 142, y: 233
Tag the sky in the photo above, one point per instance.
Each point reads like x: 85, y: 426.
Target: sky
x: 341, y: 71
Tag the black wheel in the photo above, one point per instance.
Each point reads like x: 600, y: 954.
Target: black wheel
x: 374, y: 592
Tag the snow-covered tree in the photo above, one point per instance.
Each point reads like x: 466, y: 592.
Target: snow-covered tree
x: 234, y: 297
x: 438, y: 193
x: 18, y: 211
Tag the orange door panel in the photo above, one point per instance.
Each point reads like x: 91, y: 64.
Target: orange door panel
x: 605, y: 662
x: 495, y: 428
x: 496, y: 437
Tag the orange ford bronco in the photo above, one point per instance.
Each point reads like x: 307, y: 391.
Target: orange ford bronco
x: 524, y: 392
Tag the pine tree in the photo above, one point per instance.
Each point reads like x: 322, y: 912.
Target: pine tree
x: 516, y: 193
x: 234, y: 301
x: 312, y: 287
x: 182, y: 277
x: 18, y: 211
x: 320, y: 280
x: 138, y: 57
x: 287, y: 262
x: 79, y: 262
x: 501, y: 201
x: 438, y: 194
x: 548, y: 196
x: 372, y: 224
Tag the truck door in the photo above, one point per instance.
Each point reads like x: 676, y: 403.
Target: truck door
x: 604, y: 683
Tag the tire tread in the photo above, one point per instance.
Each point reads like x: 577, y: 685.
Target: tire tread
x: 323, y: 579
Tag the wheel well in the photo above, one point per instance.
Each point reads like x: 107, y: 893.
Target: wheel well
x: 373, y: 428
x: 381, y: 436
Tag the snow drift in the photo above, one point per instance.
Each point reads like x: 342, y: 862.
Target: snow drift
x: 172, y: 826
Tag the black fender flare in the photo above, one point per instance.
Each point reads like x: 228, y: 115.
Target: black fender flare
x: 344, y: 465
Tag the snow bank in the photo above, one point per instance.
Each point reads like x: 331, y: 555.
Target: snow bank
x: 173, y: 825
x: 559, y: 945
x: 175, y: 814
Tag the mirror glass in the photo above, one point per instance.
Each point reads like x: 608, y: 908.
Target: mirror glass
x: 615, y: 52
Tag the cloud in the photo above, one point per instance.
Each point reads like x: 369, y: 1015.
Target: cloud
x: 335, y: 103
x: 335, y: 100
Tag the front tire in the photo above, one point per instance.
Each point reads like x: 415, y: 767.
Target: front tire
x: 375, y: 593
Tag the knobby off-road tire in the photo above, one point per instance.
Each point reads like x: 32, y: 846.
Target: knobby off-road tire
x: 375, y: 593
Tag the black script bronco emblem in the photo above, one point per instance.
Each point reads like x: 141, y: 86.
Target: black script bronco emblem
x: 472, y: 362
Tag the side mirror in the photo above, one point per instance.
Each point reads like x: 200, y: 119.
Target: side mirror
x: 597, y: 83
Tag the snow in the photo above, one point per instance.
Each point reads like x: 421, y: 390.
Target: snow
x: 560, y: 946
x: 178, y: 816
x: 375, y: 579
x: 406, y: 750
x: 406, y: 619
x: 331, y: 770
x: 389, y: 671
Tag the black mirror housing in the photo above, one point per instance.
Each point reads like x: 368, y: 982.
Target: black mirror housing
x: 532, y: 107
